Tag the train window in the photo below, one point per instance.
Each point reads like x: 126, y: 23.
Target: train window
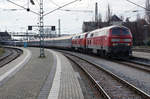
x: 116, y: 31
x: 96, y: 34
x: 125, y: 31
x: 73, y: 37
x: 82, y: 36
x: 120, y: 31
x: 106, y: 32
x: 88, y: 35
x: 91, y: 35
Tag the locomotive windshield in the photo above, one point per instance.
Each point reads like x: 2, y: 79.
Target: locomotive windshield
x: 120, y: 31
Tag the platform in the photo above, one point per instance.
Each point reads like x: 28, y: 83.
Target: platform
x: 30, y: 77
x: 65, y: 84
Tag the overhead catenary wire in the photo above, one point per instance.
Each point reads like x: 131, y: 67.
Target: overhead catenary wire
x: 22, y: 7
x: 69, y: 9
x: 60, y: 7
x: 138, y: 5
x: 127, y: 13
x: 54, y: 3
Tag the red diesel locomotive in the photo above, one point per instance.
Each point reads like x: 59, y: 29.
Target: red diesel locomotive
x: 79, y: 42
x: 112, y: 40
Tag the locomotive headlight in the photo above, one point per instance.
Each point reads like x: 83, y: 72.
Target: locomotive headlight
x: 114, y: 44
x: 128, y: 44
x: 115, y: 40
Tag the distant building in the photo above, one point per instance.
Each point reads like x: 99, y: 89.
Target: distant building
x: 4, y: 36
x: 140, y: 30
x: 92, y: 25
x: 89, y: 26
x: 115, y: 20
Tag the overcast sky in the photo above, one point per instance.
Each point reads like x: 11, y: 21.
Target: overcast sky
x: 71, y: 22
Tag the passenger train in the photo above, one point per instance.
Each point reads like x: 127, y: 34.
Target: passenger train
x: 109, y: 41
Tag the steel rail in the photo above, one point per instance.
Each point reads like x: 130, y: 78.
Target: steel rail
x: 15, y: 52
x: 4, y: 57
x: 130, y: 63
x: 134, y: 65
x: 141, y: 50
x: 138, y: 62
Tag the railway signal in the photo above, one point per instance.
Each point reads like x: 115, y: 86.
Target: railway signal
x: 29, y: 27
x: 53, y: 28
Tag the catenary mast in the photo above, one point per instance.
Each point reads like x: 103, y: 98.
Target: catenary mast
x: 41, y: 30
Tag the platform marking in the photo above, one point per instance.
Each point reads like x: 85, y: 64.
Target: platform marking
x: 13, y: 70
x: 54, y: 92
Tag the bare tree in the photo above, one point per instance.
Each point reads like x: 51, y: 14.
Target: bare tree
x: 138, y: 17
x: 108, y: 14
x: 122, y: 17
x: 127, y: 20
x: 99, y: 18
x: 147, y: 12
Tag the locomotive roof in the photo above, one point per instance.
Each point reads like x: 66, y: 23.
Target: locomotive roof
x: 80, y: 34
x: 57, y: 38
x: 109, y: 27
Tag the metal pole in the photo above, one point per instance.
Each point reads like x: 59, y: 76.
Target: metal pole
x: 96, y: 12
x: 59, y: 33
x: 42, y: 54
x: 146, y: 34
x: 27, y: 36
x: 96, y: 15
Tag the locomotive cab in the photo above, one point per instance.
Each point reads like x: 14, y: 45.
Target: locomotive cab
x: 120, y: 41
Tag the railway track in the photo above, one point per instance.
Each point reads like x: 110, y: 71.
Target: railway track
x: 110, y: 85
x: 11, y: 54
x: 140, y: 61
x: 136, y: 64
x: 133, y: 62
x: 141, y: 49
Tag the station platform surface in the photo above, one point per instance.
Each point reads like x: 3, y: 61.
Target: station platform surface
x: 31, y: 77
x: 141, y: 54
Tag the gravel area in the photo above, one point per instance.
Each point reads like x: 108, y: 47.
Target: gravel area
x: 1, y: 51
x: 137, y: 77
x: 141, y: 54
x: 6, y: 53
x: 27, y: 83
x: 9, y: 56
